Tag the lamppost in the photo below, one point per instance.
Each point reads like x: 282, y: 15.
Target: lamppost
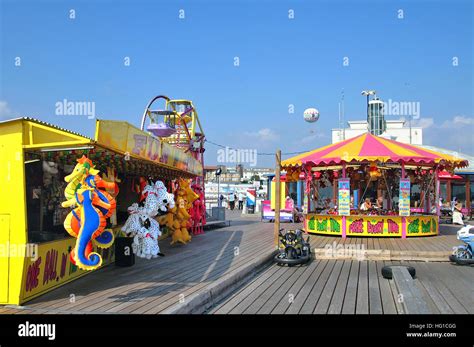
x: 368, y: 93
x: 218, y: 174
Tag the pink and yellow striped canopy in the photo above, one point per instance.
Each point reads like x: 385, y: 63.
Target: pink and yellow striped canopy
x: 367, y: 148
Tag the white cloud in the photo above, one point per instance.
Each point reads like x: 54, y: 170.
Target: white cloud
x: 458, y: 122
x: 310, y: 139
x: 263, y: 135
x: 423, y: 122
x: 5, y: 111
x: 454, y: 134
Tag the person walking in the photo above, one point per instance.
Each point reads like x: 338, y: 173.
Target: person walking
x: 241, y: 201
x: 231, y: 201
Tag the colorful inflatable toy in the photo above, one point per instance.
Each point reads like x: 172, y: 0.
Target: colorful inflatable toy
x: 92, y: 205
x: 141, y: 223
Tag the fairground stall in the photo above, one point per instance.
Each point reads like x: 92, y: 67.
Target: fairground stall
x: 368, y: 186
x: 36, y: 158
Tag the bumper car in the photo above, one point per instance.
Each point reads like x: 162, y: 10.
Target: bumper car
x: 293, y: 248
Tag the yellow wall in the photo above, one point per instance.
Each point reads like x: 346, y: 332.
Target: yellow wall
x: 13, y: 231
x: 52, y: 267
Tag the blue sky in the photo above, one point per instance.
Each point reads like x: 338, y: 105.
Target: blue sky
x: 283, y: 62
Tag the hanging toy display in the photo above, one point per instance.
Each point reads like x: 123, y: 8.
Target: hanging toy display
x: 141, y: 224
x: 178, y: 217
x: 293, y: 174
x: 374, y: 172
x: 92, y: 205
x: 198, y: 211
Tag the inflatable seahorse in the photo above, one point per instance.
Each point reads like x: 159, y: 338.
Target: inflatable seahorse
x: 92, y: 223
x: 83, y: 168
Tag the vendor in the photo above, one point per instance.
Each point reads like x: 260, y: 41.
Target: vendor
x: 379, y: 202
x: 366, y: 205
x: 457, y: 213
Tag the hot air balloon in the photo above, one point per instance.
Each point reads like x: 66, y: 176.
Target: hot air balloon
x: 311, y: 115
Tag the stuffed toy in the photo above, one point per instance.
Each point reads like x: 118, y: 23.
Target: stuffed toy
x: 141, y: 224
x: 91, y: 208
x: 178, y: 218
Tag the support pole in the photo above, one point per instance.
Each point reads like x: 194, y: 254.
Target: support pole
x: 437, y: 188
x: 404, y: 220
x: 277, y: 197
x: 344, y: 232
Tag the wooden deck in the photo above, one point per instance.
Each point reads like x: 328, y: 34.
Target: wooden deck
x: 349, y: 287
x: 440, y: 243
x: 152, y: 286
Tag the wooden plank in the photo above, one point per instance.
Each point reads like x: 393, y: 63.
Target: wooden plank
x: 305, y: 291
x: 266, y: 295
x: 282, y: 294
x: 317, y: 289
x: 375, y: 300
x: 438, y: 299
x: 362, y: 306
x: 350, y: 298
x: 229, y: 304
x: 444, y: 291
x: 327, y: 294
x: 337, y: 300
x: 295, y: 289
x: 462, y: 290
x: 254, y: 294
x: 388, y: 302
x: 155, y: 304
x: 412, y: 300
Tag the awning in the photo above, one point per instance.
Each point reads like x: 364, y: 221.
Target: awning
x: 445, y: 175
x: 368, y: 148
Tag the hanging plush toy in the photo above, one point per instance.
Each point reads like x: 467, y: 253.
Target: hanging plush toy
x: 91, y: 208
x: 374, y: 172
x: 91, y: 226
x: 141, y: 224
x: 178, y: 216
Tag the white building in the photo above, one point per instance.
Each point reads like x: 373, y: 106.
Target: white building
x: 397, y: 130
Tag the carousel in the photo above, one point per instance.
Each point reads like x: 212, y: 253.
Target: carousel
x: 371, y: 186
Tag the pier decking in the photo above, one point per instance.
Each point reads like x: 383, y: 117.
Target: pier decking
x: 340, y: 286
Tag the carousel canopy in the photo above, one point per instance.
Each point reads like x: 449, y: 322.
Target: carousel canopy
x: 368, y: 148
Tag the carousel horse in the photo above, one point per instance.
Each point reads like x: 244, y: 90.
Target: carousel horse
x: 91, y: 224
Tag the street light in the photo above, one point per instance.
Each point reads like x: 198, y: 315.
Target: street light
x: 368, y: 93
x: 218, y: 174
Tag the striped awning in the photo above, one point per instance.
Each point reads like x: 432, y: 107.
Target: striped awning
x: 371, y: 148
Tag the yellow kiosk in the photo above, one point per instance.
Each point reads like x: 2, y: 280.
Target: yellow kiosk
x: 35, y: 156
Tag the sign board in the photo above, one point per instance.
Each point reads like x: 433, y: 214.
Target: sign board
x: 126, y: 138
x: 344, y: 200
x: 404, y: 197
